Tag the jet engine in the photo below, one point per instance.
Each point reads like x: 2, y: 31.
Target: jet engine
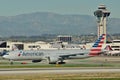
x: 53, y: 60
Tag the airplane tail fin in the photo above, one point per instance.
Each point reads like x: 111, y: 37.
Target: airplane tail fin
x: 97, y: 47
x: 108, y: 48
x: 14, y: 47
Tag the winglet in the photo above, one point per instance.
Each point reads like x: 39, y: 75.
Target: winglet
x: 97, y: 47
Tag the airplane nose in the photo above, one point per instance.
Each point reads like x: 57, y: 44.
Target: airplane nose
x: 5, y: 56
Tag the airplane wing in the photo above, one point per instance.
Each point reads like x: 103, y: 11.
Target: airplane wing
x: 56, y: 58
x: 77, y: 55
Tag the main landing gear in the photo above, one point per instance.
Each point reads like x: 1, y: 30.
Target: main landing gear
x: 11, y: 62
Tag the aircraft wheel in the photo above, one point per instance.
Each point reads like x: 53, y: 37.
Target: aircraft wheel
x: 61, y: 62
x: 11, y: 62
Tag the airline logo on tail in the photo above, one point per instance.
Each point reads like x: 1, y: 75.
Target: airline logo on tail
x: 97, y: 47
x: 108, y: 48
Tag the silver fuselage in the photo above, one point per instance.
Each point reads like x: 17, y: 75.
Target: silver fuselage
x: 42, y: 54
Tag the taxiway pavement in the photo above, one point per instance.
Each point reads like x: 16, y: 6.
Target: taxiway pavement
x: 56, y: 70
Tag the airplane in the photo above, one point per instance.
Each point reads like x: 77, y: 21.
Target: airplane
x: 109, y: 51
x: 56, y: 56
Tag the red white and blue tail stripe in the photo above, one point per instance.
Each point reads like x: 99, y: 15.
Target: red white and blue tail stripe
x: 97, y: 47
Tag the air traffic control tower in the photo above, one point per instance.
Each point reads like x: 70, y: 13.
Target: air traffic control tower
x: 102, y: 14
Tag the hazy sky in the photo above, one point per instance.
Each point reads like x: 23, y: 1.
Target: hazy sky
x: 84, y: 7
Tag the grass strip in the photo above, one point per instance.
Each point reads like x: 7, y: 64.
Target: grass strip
x: 57, y: 76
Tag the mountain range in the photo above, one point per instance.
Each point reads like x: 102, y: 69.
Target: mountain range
x: 52, y: 23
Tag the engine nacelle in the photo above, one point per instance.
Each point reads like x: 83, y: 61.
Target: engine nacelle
x: 53, y: 60
x: 35, y: 61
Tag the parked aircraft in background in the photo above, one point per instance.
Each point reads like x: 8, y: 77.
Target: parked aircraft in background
x: 110, y: 52
x: 56, y: 56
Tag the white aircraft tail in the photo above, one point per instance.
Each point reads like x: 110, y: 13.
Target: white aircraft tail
x: 108, y: 48
x: 14, y: 47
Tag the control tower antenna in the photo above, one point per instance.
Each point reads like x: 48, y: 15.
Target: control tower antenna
x: 102, y: 14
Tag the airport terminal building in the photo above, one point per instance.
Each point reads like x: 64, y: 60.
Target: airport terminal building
x: 8, y: 45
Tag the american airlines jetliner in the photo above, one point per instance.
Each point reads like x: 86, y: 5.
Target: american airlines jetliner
x: 56, y: 56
